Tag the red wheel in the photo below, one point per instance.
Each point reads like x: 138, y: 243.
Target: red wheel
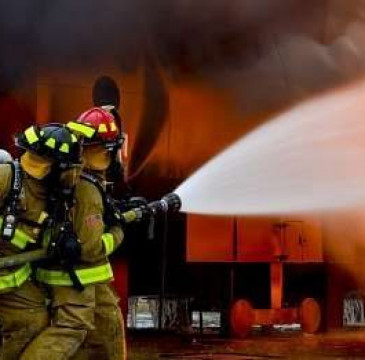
x: 241, y: 318
x: 310, y: 315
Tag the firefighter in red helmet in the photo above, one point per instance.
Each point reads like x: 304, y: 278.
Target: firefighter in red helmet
x: 102, y: 158
x: 103, y: 148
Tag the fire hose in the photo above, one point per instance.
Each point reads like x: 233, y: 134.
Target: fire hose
x: 168, y: 204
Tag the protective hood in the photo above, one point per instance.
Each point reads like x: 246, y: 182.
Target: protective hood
x: 36, y: 166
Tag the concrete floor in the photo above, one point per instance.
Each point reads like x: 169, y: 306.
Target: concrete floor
x: 339, y: 345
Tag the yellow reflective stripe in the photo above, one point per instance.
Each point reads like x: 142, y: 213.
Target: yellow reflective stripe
x: 82, y: 129
x: 102, y: 128
x: 65, y: 148
x: 20, y: 239
x: 74, y: 138
x: 86, y: 276
x: 43, y: 216
x: 51, y: 143
x: 16, y: 278
x: 113, y: 127
x: 108, y: 241
x: 31, y: 135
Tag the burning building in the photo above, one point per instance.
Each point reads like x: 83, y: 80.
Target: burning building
x: 194, y: 76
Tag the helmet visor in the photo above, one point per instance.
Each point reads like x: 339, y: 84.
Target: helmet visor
x: 115, y: 144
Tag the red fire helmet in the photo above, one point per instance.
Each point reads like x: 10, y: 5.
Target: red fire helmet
x: 106, y: 130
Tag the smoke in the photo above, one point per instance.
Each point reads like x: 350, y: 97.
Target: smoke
x: 267, y: 52
x: 310, y: 47
x: 293, y: 67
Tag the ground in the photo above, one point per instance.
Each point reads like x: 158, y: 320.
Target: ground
x: 339, y: 345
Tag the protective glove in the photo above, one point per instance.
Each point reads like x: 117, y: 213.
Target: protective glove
x: 64, y: 246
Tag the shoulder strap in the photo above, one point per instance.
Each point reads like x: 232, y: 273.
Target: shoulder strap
x: 17, y: 178
x: 11, y: 207
x: 96, y: 182
x: 109, y: 204
x: 93, y: 180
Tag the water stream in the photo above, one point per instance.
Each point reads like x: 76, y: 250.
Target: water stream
x: 310, y: 158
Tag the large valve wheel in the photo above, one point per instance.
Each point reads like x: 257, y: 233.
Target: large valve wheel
x: 310, y: 315
x: 241, y: 318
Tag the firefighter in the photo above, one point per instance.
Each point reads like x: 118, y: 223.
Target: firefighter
x: 101, y: 160
x: 90, y: 313
x: 48, y: 152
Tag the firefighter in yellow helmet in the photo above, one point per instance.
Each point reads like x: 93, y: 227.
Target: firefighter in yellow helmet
x: 49, y: 151
x: 91, y: 313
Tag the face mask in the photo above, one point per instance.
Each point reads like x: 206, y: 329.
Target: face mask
x: 96, y: 158
x: 36, y: 166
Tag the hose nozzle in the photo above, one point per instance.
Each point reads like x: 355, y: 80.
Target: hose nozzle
x: 169, y: 203
x: 173, y: 202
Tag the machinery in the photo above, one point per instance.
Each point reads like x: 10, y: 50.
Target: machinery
x: 281, y: 246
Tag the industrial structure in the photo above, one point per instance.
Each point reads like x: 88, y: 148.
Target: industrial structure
x: 181, y: 110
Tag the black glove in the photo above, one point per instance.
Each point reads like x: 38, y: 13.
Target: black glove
x: 65, y: 247
x: 112, y: 212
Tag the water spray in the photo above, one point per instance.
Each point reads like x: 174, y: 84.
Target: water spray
x: 309, y: 159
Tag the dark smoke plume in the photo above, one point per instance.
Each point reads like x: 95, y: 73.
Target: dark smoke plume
x: 268, y: 52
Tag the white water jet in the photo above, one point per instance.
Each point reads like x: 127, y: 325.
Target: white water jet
x: 311, y: 158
